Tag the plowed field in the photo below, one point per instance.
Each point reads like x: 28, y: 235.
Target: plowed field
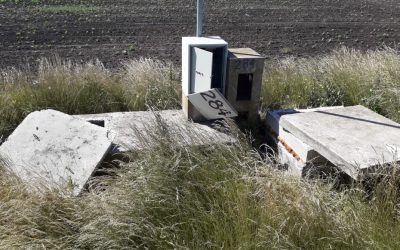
x: 116, y: 30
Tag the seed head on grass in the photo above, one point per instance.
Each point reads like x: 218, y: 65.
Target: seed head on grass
x: 151, y: 82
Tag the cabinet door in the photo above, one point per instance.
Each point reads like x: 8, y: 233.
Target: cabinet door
x: 201, y: 70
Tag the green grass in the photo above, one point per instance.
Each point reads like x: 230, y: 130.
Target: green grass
x: 70, y: 8
x: 216, y: 197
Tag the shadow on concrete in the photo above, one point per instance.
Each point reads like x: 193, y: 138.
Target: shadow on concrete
x: 359, y: 119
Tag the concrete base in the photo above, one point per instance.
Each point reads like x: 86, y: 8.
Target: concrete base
x: 138, y: 130
x: 191, y: 113
x: 50, y: 149
x: 354, y: 139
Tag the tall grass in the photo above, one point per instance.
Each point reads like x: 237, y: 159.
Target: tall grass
x: 88, y: 88
x: 345, y: 77
x: 201, y: 198
x: 214, y: 197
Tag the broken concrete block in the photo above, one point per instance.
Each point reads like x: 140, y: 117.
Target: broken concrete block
x: 301, y: 149
x: 352, y: 138
x: 136, y: 130
x: 304, y: 151
x: 294, y: 166
x: 51, y: 149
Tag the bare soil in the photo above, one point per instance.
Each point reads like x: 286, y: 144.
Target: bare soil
x: 116, y: 30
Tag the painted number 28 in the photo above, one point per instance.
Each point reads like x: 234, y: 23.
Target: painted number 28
x: 214, y: 103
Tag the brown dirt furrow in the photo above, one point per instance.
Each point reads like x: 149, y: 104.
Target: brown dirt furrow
x: 121, y: 29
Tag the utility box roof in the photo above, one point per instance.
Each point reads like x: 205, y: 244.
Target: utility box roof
x: 242, y: 53
x: 213, y: 41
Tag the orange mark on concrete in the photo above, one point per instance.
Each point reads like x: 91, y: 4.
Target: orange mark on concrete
x: 286, y: 146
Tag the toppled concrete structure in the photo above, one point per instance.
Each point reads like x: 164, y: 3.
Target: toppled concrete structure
x: 50, y: 149
x: 133, y: 131
x: 354, y: 139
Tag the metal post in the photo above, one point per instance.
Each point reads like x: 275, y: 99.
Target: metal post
x: 200, y: 17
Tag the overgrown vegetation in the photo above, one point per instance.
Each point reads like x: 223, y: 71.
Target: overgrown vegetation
x: 201, y: 198
x: 85, y: 89
x: 346, y: 77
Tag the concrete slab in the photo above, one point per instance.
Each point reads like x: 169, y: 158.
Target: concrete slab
x: 352, y: 138
x: 136, y: 130
x: 54, y: 150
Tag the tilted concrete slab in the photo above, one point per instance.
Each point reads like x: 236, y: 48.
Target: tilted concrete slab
x: 352, y: 138
x: 137, y: 130
x: 50, y: 149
